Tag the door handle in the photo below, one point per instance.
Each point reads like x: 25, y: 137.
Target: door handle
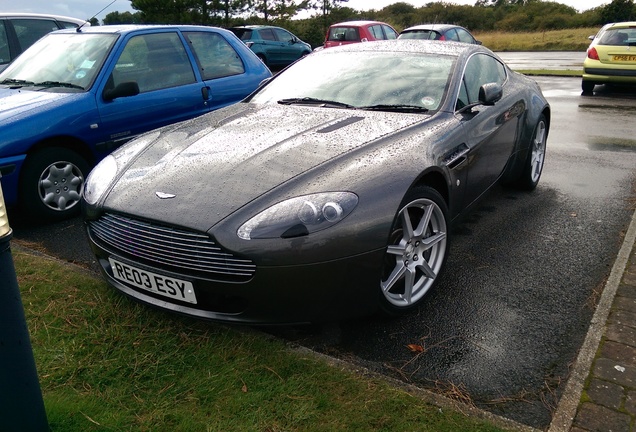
x: 205, y: 92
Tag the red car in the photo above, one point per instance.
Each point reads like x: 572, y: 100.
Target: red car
x: 358, y: 31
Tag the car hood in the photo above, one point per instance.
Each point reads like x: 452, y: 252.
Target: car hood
x: 16, y: 102
x: 198, y: 173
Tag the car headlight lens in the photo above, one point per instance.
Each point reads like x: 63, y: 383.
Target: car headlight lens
x: 99, y: 179
x: 299, y: 216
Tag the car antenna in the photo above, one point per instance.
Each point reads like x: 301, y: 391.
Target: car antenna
x: 79, y: 29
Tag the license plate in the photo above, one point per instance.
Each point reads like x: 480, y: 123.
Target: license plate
x: 166, y: 286
x: 626, y: 58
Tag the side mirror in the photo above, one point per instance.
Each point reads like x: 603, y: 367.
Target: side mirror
x: 124, y: 89
x: 490, y: 93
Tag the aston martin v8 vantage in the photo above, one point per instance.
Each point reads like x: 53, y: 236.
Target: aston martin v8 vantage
x: 327, y: 193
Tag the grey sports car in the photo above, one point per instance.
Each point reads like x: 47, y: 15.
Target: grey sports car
x: 327, y: 193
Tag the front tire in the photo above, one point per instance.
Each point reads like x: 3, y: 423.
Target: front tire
x: 416, y: 253
x: 51, y: 184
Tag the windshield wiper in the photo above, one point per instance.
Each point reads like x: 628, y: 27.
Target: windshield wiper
x: 396, y: 108
x: 17, y: 81
x: 58, y: 84
x: 314, y: 101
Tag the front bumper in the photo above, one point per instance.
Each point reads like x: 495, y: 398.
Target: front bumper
x: 309, y: 293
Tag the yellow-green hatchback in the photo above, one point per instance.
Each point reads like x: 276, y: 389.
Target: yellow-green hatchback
x: 611, y: 57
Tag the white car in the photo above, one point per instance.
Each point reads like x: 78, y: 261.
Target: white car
x: 18, y: 31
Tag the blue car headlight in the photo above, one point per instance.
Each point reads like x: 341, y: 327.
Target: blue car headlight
x: 299, y: 216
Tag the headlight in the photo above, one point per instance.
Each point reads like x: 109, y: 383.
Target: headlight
x: 299, y: 216
x: 100, y: 179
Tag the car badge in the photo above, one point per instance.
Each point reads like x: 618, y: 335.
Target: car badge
x: 164, y: 195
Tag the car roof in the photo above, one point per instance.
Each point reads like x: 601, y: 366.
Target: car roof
x: 431, y: 27
x: 254, y: 26
x: 127, y: 28
x: 358, y: 23
x: 47, y: 16
x: 455, y: 49
x: 625, y: 24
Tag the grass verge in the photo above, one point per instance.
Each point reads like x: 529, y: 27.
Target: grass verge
x: 108, y: 364
x: 553, y: 40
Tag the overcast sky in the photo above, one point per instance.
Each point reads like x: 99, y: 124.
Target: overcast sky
x: 86, y: 9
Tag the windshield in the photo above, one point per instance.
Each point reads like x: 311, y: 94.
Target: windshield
x: 363, y: 80
x: 65, y: 60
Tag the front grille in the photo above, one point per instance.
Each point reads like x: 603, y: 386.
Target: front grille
x: 176, y: 249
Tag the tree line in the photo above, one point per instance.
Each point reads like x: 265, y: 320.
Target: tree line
x: 483, y: 16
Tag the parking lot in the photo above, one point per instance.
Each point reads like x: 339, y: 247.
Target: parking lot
x: 523, y: 277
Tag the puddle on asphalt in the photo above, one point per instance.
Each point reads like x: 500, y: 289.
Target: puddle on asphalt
x: 599, y: 143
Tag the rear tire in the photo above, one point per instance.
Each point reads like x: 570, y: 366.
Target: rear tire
x: 533, y: 166
x: 587, y: 87
x: 51, y: 184
x: 416, y: 253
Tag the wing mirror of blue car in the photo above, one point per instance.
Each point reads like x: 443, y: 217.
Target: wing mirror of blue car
x: 125, y: 89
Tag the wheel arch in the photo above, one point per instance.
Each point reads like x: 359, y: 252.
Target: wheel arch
x: 67, y: 142
x: 436, y: 180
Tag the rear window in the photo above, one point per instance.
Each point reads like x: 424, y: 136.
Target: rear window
x: 619, y: 36
x: 340, y: 34
x: 242, y: 34
x: 420, y: 34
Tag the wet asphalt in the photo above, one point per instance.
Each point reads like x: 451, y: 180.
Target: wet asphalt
x: 523, y: 278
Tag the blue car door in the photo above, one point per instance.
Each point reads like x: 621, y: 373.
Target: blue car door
x: 169, y: 91
x: 220, y: 66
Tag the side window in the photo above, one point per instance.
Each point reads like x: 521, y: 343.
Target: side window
x: 66, y: 24
x: 30, y: 30
x: 451, y: 35
x: 481, y: 69
x: 376, y: 32
x: 284, y: 36
x: 390, y: 33
x: 215, y: 56
x: 464, y: 36
x: 154, y: 61
x: 5, y: 56
x: 267, y: 34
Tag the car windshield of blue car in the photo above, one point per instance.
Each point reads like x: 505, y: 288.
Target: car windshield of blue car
x: 64, y: 62
x: 380, y: 81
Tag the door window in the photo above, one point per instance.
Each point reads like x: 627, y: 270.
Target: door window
x: 215, y: 56
x: 389, y: 32
x: 284, y: 36
x: 30, y: 30
x: 376, y: 32
x: 267, y: 34
x: 481, y: 69
x: 464, y: 36
x: 5, y: 56
x: 154, y: 61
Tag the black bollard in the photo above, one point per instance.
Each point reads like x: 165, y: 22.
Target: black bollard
x: 21, y: 402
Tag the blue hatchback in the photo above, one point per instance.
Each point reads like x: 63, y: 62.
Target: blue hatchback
x: 75, y: 95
